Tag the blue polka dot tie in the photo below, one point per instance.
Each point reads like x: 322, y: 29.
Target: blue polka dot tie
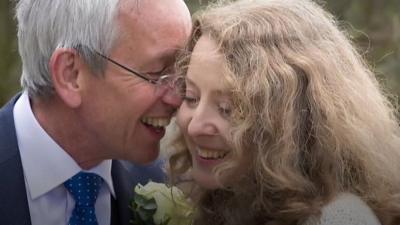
x: 84, y: 187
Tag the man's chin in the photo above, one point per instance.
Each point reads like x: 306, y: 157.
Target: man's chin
x: 146, y: 156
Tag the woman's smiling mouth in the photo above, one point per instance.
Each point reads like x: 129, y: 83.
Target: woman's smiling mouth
x: 211, y: 154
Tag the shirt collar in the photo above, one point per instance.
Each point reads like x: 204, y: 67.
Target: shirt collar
x: 46, y: 165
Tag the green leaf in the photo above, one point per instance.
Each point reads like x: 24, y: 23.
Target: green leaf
x: 145, y: 214
x: 140, y: 200
x: 165, y: 222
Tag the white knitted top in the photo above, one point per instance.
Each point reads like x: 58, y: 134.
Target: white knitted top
x: 346, y: 209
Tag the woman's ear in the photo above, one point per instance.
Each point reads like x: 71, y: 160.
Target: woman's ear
x: 65, y: 68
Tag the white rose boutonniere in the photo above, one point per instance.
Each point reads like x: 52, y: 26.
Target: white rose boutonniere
x: 157, y: 204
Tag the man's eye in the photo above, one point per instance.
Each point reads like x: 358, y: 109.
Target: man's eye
x: 156, y: 74
x: 164, y: 71
x: 153, y: 76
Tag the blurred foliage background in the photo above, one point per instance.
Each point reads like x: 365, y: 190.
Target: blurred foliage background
x: 373, y: 24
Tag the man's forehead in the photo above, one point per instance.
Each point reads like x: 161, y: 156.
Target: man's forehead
x: 167, y: 17
x: 157, y: 30
x: 156, y: 20
x: 136, y: 8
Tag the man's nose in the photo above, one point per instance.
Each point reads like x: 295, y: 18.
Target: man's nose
x: 172, y: 98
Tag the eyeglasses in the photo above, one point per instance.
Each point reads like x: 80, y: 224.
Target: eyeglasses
x: 162, y: 83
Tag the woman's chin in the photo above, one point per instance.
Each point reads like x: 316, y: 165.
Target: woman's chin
x: 205, y: 180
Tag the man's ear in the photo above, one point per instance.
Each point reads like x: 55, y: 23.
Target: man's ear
x: 65, y: 69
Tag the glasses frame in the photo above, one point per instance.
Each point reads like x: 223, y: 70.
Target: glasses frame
x: 158, y: 82
x: 152, y: 81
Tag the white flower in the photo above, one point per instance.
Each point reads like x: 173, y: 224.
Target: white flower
x: 173, y: 208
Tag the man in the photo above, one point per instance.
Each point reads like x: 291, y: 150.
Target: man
x: 94, y: 93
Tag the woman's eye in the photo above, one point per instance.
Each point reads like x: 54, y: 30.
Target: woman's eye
x: 225, y: 110
x: 190, y: 101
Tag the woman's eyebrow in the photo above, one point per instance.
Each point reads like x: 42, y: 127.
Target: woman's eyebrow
x: 190, y: 82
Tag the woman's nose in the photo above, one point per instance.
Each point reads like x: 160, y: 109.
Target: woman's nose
x: 202, y: 123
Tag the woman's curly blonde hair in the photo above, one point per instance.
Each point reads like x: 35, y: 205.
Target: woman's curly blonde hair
x: 308, y: 110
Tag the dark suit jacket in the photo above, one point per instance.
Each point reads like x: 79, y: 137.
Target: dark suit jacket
x: 14, y: 209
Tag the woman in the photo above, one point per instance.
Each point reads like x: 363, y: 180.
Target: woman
x: 282, y: 121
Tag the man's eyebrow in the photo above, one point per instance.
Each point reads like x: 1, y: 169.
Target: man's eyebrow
x: 166, y: 57
x: 169, y: 53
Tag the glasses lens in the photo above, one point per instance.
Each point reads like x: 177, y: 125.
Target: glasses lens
x: 173, y: 83
x: 179, y: 85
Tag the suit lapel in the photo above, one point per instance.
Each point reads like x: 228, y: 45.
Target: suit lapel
x: 123, y: 186
x: 14, y: 209
x: 114, y: 212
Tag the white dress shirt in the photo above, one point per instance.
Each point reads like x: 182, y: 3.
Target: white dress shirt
x: 47, y: 166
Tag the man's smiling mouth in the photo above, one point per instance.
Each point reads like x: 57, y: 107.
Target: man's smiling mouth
x: 156, y: 122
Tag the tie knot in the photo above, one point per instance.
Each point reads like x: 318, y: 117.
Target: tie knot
x: 84, y: 187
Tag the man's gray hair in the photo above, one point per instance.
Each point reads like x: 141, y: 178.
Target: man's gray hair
x: 45, y: 25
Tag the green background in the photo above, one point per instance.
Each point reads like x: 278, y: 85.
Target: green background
x: 374, y: 25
